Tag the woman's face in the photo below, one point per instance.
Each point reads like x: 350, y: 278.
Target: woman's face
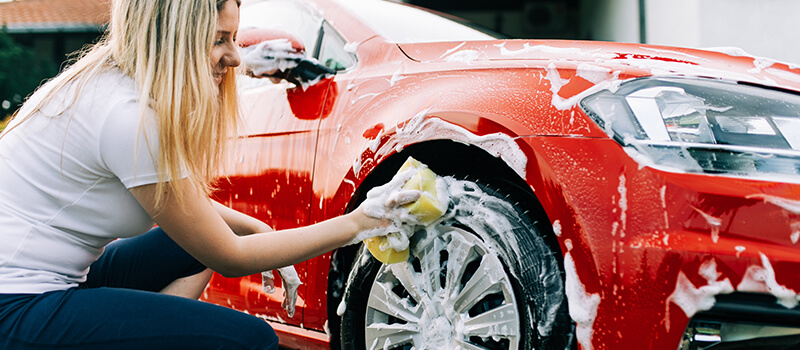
x: 224, y: 53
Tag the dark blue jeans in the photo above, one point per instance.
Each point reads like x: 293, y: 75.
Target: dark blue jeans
x: 119, y: 308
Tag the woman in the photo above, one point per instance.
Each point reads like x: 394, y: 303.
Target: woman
x: 129, y: 136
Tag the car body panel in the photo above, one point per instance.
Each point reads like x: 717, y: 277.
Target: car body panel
x: 262, y: 183
x: 648, y: 244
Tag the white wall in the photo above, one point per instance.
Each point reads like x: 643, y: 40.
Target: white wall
x: 612, y: 20
x: 767, y: 28
x: 675, y: 22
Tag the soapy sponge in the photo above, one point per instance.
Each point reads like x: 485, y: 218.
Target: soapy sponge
x: 426, y: 209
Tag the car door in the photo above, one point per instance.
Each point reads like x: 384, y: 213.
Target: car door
x: 271, y: 172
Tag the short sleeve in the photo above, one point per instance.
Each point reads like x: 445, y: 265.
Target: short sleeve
x: 130, y: 150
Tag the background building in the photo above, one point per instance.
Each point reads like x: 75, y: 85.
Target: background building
x: 37, y: 36
x: 761, y: 28
x: 52, y: 29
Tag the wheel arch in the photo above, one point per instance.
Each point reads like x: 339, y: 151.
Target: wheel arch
x: 445, y: 158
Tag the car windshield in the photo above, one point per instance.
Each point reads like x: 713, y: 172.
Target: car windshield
x: 405, y: 24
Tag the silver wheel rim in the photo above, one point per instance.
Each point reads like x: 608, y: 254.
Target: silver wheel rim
x: 453, y: 293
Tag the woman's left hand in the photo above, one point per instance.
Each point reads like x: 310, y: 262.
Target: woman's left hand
x: 291, y: 281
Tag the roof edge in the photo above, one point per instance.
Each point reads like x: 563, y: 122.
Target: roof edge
x: 21, y: 28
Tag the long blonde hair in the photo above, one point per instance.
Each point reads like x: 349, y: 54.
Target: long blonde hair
x: 165, y: 47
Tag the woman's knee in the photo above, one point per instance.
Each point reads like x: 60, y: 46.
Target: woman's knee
x: 254, y: 332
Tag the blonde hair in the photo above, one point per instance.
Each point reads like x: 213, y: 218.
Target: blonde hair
x: 165, y: 47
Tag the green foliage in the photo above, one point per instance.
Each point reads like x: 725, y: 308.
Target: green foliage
x: 21, y: 71
x: 4, y: 122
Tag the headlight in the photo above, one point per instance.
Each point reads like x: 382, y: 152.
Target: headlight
x: 703, y: 125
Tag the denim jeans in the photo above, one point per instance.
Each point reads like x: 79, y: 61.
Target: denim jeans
x: 119, y: 307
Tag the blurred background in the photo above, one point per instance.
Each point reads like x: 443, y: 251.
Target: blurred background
x: 37, y: 36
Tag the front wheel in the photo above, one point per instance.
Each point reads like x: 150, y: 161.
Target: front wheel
x: 482, y: 278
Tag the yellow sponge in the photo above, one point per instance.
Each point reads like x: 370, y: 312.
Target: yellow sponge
x: 427, y: 209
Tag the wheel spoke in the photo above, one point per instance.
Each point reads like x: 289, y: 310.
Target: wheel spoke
x: 386, y: 336
x: 405, y: 276
x: 383, y: 299
x: 459, y: 250
x: 486, y: 280
x: 498, y: 322
x: 431, y: 266
x: 469, y: 346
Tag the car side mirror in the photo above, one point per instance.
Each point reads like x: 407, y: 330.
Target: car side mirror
x: 277, y: 54
x: 309, y: 71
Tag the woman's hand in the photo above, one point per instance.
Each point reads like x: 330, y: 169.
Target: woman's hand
x: 291, y: 281
x: 206, y: 230
x: 380, y: 217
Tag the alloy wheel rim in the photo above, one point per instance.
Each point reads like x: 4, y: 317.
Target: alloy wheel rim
x: 452, y: 293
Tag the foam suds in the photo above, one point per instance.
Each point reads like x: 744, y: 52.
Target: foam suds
x: 761, y: 279
x: 582, y: 305
x: 713, y: 221
x: 664, y: 206
x: 673, y: 52
x: 537, y: 48
x: 592, y: 73
x: 784, y: 74
x: 792, y: 206
x: 557, y: 228
x: 623, y: 204
x: 692, y: 299
x: 384, y: 202
x: 270, y: 56
x: 760, y: 64
x: 611, y: 83
x: 419, y: 129
x: 463, y: 56
x: 341, y: 308
x: 666, y: 68
x: 448, y: 52
x: 397, y: 76
x: 351, y: 47
x: 379, y: 205
x: 431, y: 316
x: 739, y: 249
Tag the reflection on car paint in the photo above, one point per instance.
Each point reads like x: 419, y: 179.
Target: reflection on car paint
x: 645, y: 249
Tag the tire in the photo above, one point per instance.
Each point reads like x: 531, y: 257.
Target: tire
x: 481, y: 278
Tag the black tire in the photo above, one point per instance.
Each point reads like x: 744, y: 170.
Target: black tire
x: 495, y: 230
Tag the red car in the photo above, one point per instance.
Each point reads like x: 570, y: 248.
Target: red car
x: 602, y: 195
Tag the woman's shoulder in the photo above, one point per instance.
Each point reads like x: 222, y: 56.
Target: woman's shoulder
x: 113, y: 81
x: 103, y: 94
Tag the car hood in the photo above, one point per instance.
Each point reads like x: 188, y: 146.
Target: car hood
x: 726, y: 63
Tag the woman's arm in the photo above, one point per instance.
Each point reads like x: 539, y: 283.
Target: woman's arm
x: 199, y: 228
x: 241, y: 223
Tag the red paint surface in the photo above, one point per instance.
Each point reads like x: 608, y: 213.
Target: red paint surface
x: 303, y: 154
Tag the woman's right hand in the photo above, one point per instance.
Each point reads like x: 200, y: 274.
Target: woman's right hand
x: 381, y: 218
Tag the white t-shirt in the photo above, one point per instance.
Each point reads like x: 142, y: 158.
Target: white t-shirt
x: 64, y: 183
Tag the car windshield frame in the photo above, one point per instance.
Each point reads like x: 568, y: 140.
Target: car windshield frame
x: 403, y: 24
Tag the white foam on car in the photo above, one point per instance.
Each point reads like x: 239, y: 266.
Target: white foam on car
x: 713, y: 222
x: 464, y: 56
x: 692, y: 299
x: 593, y: 73
x: 401, y: 222
x: 419, y: 129
x: 270, y: 56
x: 761, y: 279
x: 466, y: 198
x: 552, y: 75
x: 582, y: 305
x: 790, y: 205
x: 537, y: 48
x: 448, y: 52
